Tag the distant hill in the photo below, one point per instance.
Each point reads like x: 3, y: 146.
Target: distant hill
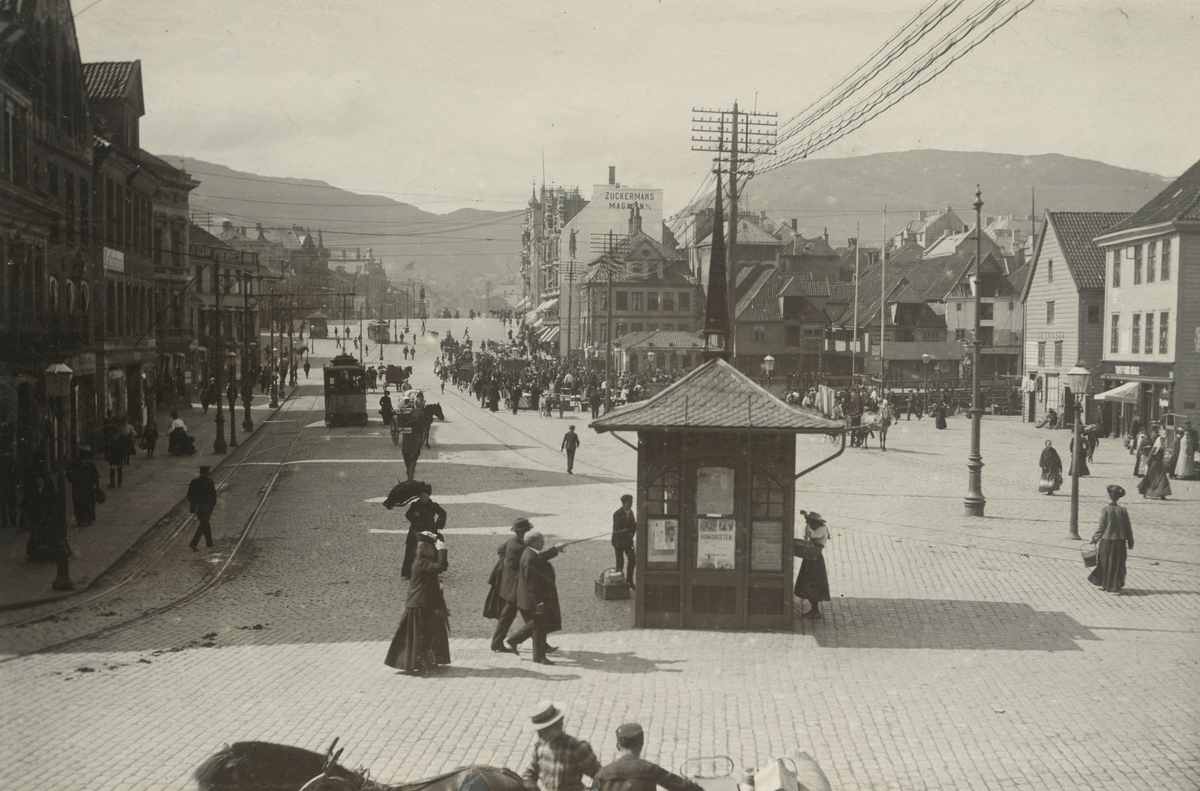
x: 451, y: 250
x: 833, y: 193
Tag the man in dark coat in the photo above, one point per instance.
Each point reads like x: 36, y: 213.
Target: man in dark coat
x: 570, y: 443
x: 502, y: 600
x: 516, y: 398
x: 424, y: 515
x: 537, y: 598
x: 202, y: 497
x: 630, y: 772
x: 623, y: 531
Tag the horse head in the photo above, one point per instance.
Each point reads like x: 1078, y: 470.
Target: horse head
x: 267, y: 766
x: 435, y: 410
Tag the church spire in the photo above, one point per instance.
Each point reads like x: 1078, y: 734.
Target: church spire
x: 716, y: 308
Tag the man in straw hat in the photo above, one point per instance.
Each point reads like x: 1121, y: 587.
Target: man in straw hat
x: 629, y: 772
x: 559, y: 761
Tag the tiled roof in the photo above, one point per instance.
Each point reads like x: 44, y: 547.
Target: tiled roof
x: 662, y: 339
x: 748, y: 234
x: 715, y: 396
x: 934, y: 277
x: 804, y: 287
x: 108, y: 80
x: 841, y: 293
x: 1075, y: 231
x: 761, y: 301
x: 1180, y: 201
x: 800, y: 246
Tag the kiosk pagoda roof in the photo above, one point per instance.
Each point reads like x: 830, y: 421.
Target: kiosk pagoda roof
x: 714, y: 397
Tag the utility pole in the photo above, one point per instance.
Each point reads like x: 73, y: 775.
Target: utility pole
x: 219, y: 445
x: 757, y: 138
x: 883, y: 303
x: 975, y: 501
x: 247, y: 423
x: 854, y: 330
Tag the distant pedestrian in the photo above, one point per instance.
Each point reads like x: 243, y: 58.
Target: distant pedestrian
x: 85, y: 480
x: 515, y: 394
x: 594, y: 402
x: 537, y: 598
x: 1156, y: 485
x: 501, y: 602
x: 630, y: 772
x: 559, y: 761
x: 150, y: 438
x: 39, y: 507
x: 424, y: 515
x: 1083, y: 454
x: 812, y: 583
x: 422, y: 640
x: 1113, y: 538
x: 624, y: 528
x: 1051, y: 465
x: 205, y: 399
x: 939, y: 413
x: 202, y: 499
x: 114, y: 454
x: 570, y: 443
x: 307, y: 368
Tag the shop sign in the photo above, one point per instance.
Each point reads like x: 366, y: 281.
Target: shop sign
x: 114, y: 260
x: 715, y: 543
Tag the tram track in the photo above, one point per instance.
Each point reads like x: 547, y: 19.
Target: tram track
x: 153, y: 558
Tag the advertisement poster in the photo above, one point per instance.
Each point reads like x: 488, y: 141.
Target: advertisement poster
x: 714, y: 491
x: 716, y: 543
x: 664, y: 540
x: 766, y: 546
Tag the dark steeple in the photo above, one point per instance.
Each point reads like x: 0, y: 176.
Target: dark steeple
x: 716, y: 308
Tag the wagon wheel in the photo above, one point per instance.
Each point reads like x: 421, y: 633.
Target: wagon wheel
x: 395, y: 432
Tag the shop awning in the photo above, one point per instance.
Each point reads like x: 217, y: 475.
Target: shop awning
x: 549, y: 304
x: 1127, y: 393
x: 548, y: 334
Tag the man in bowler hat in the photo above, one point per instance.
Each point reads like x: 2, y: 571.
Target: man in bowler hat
x: 505, y: 578
x: 630, y: 772
x: 202, y: 498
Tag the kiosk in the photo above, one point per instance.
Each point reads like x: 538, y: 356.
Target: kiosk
x: 715, y: 500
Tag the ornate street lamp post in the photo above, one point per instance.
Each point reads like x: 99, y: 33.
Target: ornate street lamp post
x: 1079, y: 378
x: 58, y: 388
x: 925, y: 395
x: 975, y: 501
x: 769, y: 364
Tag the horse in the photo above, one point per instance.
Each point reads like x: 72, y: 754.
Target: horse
x: 267, y: 766
x: 875, y: 421
x: 431, y: 411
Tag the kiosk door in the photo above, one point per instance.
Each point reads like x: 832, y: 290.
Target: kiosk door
x: 716, y: 595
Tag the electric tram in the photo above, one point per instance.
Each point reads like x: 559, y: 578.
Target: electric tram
x: 379, y: 332
x: 345, y: 392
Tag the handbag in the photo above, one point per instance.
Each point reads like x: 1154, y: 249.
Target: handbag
x: 100, y: 496
x: 1088, y: 551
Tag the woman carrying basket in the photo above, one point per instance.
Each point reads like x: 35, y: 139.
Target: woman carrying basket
x: 1113, y: 537
x: 812, y: 582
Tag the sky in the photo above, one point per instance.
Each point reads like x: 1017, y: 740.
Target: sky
x: 456, y: 104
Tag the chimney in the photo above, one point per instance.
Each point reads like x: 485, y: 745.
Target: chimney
x: 612, y: 175
x: 826, y: 236
x: 762, y: 216
x: 226, y: 225
x: 795, y: 225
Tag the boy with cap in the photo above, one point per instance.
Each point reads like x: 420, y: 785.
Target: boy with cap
x: 202, y: 498
x: 559, y: 761
x: 505, y: 578
x: 623, y: 530
x: 631, y: 773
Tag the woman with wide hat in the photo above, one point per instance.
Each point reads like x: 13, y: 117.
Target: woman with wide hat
x: 422, y: 641
x: 812, y: 583
x: 1112, y: 538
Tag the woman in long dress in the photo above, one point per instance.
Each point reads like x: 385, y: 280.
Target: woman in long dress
x: 1186, y: 466
x: 940, y: 412
x: 1051, y: 466
x: 1156, y: 485
x: 422, y: 641
x: 47, y: 539
x: 85, y: 480
x: 1112, y: 538
x: 1083, y: 453
x: 812, y: 583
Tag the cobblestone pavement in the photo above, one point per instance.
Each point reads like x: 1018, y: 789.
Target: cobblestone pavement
x: 956, y: 654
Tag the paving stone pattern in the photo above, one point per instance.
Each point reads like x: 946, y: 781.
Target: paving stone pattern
x: 956, y: 653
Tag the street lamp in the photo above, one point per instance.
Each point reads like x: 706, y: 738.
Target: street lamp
x: 925, y: 358
x: 769, y: 363
x: 975, y: 502
x: 1079, y: 378
x: 58, y: 388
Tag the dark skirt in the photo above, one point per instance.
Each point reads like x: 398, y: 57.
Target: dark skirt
x: 1109, y: 573
x: 940, y: 421
x: 83, y: 500
x: 46, y: 542
x: 1051, y: 481
x: 1156, y: 483
x: 422, y: 641
x: 812, y: 582
x: 1083, y: 468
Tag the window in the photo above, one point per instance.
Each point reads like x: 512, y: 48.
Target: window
x: 14, y: 150
x: 652, y: 300
x: 622, y: 300
x: 960, y: 334
x: 791, y: 336
x: 635, y: 327
x: 1058, y: 351
x: 651, y: 327
x: 760, y: 334
x: 1135, y: 334
x: 69, y: 207
x: 1137, y: 264
x: 635, y: 300
x: 987, y: 311
x: 1166, y: 259
x: 958, y: 306
x: 1041, y: 354
x: 1116, y: 270
x: 668, y: 302
x: 683, y: 328
x: 1049, y: 270
x: 1149, y: 333
x: 1114, y: 335
x: 85, y: 214
x: 1164, y: 321
x: 1151, y: 261
x: 1010, y: 304
x: 685, y: 300
x: 1050, y: 313
x: 1093, y: 314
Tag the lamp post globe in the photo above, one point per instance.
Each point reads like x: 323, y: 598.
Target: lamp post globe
x: 769, y: 364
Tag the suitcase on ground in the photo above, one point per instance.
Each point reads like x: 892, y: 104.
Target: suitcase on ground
x: 611, y: 584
